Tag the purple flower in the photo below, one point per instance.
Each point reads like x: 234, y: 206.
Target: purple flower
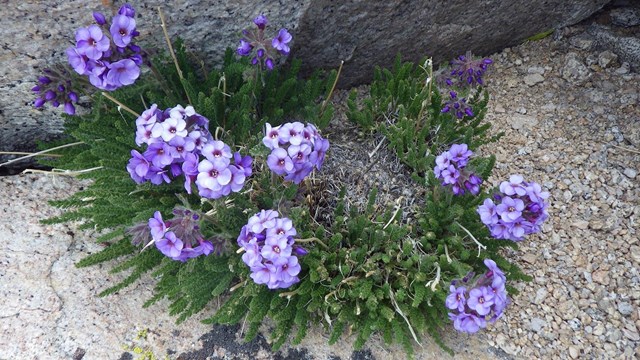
x: 299, y: 153
x: 487, y: 298
x: 245, y: 47
x: 138, y: 167
x: 295, y: 150
x: 457, y: 107
x: 217, y: 151
x: 170, y: 245
x: 493, y: 269
x: 279, y: 161
x: 467, y: 323
x: 261, y: 21
x: 281, y: 40
x: 514, y: 186
x: 287, y: 269
x: 123, y: 72
x: 456, y: 298
x: 263, y: 274
x: 243, y: 162
x: 319, y: 151
x: 269, y: 63
x: 91, y: 42
x: 206, y: 247
x: 173, y: 127
x: 272, y: 136
x: 160, y: 154
x: 488, y: 213
x: 78, y: 62
x: 460, y: 154
x: 157, y: 226
x: 481, y: 300
x: 213, y: 174
x: 283, y: 227
x: 510, y: 209
x: 265, y: 219
x: 274, y: 247
x: 252, y: 256
x: 521, y: 211
x: 122, y: 28
x: 190, y: 170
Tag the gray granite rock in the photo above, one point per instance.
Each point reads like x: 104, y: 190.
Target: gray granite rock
x: 626, y: 47
x: 367, y: 33
x: 574, y: 70
x: 626, y: 16
x: 363, y: 33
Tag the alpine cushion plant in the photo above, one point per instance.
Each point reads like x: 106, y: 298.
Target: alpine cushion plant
x: 215, y: 200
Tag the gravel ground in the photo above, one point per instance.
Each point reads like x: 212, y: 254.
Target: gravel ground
x: 572, y: 122
x: 571, y: 114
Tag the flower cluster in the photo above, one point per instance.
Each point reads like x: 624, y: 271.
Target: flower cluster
x: 468, y: 71
x: 519, y: 209
x: 451, y: 170
x: 457, y: 107
x: 55, y: 87
x: 179, y: 238
x: 263, y: 49
x: 108, y: 56
x: 177, y: 138
x: 476, y: 302
x: 295, y: 150
x: 270, y: 249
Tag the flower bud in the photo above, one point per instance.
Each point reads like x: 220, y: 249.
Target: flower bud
x: 260, y: 21
x: 73, y: 96
x: 69, y: 108
x: 127, y: 10
x: 99, y: 17
x: 49, y: 95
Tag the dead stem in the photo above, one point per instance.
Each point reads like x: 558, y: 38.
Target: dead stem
x: 173, y: 54
x: 120, y: 105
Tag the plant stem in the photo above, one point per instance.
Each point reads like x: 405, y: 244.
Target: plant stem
x: 324, y: 103
x: 480, y: 246
x: 121, y: 105
x: 173, y: 54
x: 312, y: 239
x: 41, y: 152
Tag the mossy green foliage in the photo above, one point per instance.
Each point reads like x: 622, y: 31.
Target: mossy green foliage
x: 366, y: 271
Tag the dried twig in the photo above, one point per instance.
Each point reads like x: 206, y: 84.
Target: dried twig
x: 41, y: 152
x: 480, y: 246
x: 120, y: 105
x: 173, y: 54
